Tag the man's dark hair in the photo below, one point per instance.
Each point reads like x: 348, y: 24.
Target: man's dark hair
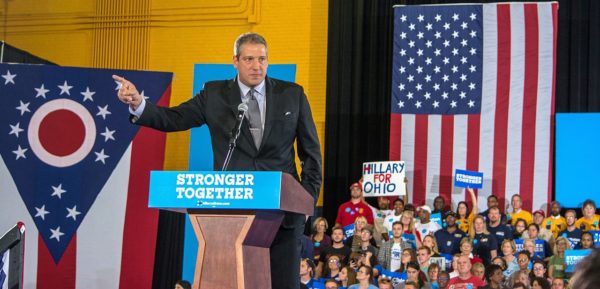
x: 248, y: 37
x: 492, y: 196
x: 518, y: 285
x: 490, y: 270
x: 526, y: 253
x: 183, y: 283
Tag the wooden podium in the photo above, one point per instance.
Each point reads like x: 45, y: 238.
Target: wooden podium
x: 234, y: 236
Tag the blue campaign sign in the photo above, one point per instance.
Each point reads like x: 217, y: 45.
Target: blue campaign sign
x: 437, y: 218
x: 348, y: 231
x: 468, y: 179
x: 572, y: 257
x: 214, y: 190
x: 411, y: 239
x: 596, y: 235
x: 396, y: 277
x: 539, y: 247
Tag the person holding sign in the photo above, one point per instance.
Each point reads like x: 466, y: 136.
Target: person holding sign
x: 465, y: 218
x: 590, y: 220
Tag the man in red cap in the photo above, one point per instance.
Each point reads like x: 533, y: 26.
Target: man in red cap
x: 350, y: 210
x: 543, y: 233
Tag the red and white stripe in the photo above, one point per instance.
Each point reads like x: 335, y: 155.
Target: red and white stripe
x: 511, y: 140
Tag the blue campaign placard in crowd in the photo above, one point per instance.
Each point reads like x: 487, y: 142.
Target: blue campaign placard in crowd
x: 437, y: 218
x: 572, y: 257
x: 468, y: 179
x: 596, y: 236
x: 214, y: 190
x: 396, y: 277
x: 539, y: 247
x: 348, y: 231
x: 411, y: 239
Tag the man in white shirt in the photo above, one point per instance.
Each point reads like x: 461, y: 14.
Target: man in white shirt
x: 425, y: 226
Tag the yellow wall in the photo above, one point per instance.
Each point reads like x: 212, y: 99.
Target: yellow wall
x: 172, y: 36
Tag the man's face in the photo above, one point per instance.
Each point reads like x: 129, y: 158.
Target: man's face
x: 464, y: 265
x: 337, y: 236
x: 450, y: 221
x: 558, y: 283
x: 398, y: 207
x: 443, y: 279
x: 555, y: 209
x: 538, y: 218
x: 355, y: 192
x: 251, y: 64
x: 304, y: 268
x: 383, y: 203
x: 422, y: 256
x: 494, y: 215
x: 516, y: 202
x: 492, y: 202
x: 439, y: 204
x: 397, y: 231
x: 571, y: 218
x: 365, y: 235
x: 424, y: 216
x: 412, y: 273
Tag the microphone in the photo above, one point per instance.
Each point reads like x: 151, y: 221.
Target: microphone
x: 235, y: 133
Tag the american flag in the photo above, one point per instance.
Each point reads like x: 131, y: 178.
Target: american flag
x: 473, y: 88
x: 75, y: 170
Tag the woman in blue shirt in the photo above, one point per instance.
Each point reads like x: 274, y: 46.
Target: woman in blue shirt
x: 364, y: 276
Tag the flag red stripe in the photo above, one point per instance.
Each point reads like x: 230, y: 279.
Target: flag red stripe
x: 473, y: 131
x: 502, y: 98
x: 529, y: 105
x: 446, y: 157
x: 51, y: 275
x: 551, y: 156
x: 395, y: 136
x: 141, y: 223
x: 420, y: 175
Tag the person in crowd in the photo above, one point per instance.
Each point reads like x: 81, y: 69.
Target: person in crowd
x: 492, y: 201
x: 319, y: 238
x: 500, y: 262
x: 354, y: 208
x: 385, y: 283
x: 587, y: 241
x: 337, y: 248
x: 423, y: 256
x: 559, y: 283
x: 539, y: 270
x: 495, y: 226
x: 533, y: 234
x: 529, y: 246
x: 368, y: 259
x: 415, y: 275
x: 439, y: 205
x: 556, y: 264
x: 366, y: 241
x: 523, y: 259
x: 543, y: 233
x: 307, y: 272
x: 354, y: 241
x: 454, y: 272
x: 540, y: 283
x: 443, y: 279
x: 433, y: 273
x: 484, y: 244
x: 464, y: 217
x: 518, y: 212
x: 519, y: 285
x: 478, y: 270
x: 183, y: 284
x: 332, y: 270
x: 572, y: 232
x: 586, y: 272
x: 466, y: 249
x: 332, y: 284
x: 394, y: 217
x: 364, y: 276
x: 408, y: 255
x: 347, y: 277
x: 590, y: 220
x: 509, y: 249
x: 380, y: 214
x: 430, y: 242
x: 424, y: 225
x: 410, y: 230
x: 390, y: 252
x: 465, y: 279
x: 519, y: 226
x: 410, y: 285
x: 448, y: 239
x: 494, y: 277
x: 554, y: 222
x: 521, y: 277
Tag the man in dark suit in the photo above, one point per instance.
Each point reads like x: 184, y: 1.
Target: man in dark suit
x: 281, y: 115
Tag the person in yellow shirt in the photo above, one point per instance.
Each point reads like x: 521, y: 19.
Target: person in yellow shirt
x: 590, y: 220
x: 518, y: 212
x: 555, y: 222
x: 464, y: 218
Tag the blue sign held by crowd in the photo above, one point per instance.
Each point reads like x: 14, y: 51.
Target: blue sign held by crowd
x: 572, y: 257
x: 468, y: 179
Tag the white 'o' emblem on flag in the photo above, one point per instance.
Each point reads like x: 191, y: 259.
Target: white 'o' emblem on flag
x: 33, y: 132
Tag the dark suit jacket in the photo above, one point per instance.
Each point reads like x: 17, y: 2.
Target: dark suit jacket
x: 288, y: 118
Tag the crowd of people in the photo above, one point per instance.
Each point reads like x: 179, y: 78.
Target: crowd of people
x: 398, y: 245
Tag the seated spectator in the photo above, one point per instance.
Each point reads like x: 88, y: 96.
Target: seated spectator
x: 466, y: 249
x: 355, y: 207
x: 464, y: 216
x: 539, y: 270
x: 555, y: 222
x: 465, y: 279
x: 478, y: 270
x: 532, y: 231
x: 590, y: 220
x: 495, y: 226
x: 540, y: 283
x: 523, y: 259
x: 519, y: 226
x: 334, y: 265
x: 364, y: 276
x: 508, y: 250
x: 454, y: 272
x: 347, y: 277
x: 408, y: 255
x: 423, y: 256
x: 520, y: 277
x: 353, y: 241
x: 430, y: 242
x: 319, y: 238
x: 492, y: 202
x: 366, y: 241
x: 307, y: 272
x: 415, y: 275
x: 337, y: 248
x: 587, y: 241
x: 543, y: 233
x: 331, y: 284
x: 484, y: 244
x: 449, y: 238
x: 559, y: 283
x: 556, y: 264
x: 390, y: 252
x: 433, y: 273
x: 439, y: 205
x: 518, y: 212
x: 424, y: 225
x: 183, y: 284
x: 572, y: 233
x: 494, y: 277
x: 443, y: 279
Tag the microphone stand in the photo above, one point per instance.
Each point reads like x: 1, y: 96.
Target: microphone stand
x: 235, y: 134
